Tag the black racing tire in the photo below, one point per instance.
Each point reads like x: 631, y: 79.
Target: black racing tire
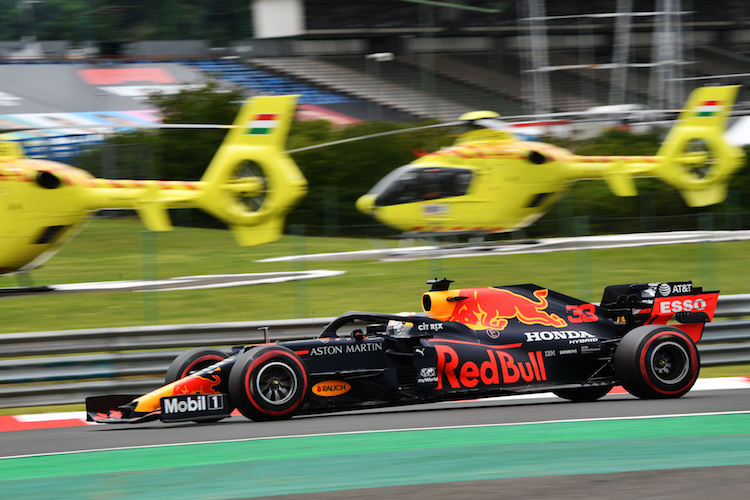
x: 268, y: 382
x: 583, y: 394
x: 657, y: 361
x: 192, y: 361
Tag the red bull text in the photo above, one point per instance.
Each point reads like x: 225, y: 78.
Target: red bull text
x: 499, y: 367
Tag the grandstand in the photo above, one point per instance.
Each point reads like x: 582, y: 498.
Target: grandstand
x: 511, y: 57
x: 263, y: 83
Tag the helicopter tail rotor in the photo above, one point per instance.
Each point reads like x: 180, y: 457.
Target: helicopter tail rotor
x: 696, y: 158
x: 251, y: 183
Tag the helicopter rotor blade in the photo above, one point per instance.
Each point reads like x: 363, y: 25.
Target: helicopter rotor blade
x: 371, y: 136
x: 199, y: 126
x: 490, y: 123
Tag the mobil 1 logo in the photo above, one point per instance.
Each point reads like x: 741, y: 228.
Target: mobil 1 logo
x: 194, y: 407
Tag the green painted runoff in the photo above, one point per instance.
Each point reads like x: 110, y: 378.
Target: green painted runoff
x: 262, y: 467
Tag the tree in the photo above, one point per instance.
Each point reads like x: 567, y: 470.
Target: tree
x: 339, y: 175
x: 184, y: 154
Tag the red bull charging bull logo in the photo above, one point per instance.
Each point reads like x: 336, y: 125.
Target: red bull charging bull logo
x: 493, y: 307
x: 195, y: 385
x: 188, y: 385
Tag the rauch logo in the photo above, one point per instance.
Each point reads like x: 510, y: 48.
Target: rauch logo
x: 331, y: 388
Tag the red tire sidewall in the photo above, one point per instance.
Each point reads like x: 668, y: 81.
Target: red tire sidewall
x: 248, y: 378
x: 190, y: 359
x: 213, y: 358
x: 648, y: 376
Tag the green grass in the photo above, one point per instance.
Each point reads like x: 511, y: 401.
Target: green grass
x: 117, y: 249
x: 725, y: 371
x: 109, y: 250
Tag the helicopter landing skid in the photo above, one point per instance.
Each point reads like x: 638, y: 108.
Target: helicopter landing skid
x: 23, y: 290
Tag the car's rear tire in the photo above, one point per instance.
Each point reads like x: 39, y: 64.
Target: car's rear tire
x: 268, y: 382
x: 583, y: 394
x: 192, y: 361
x: 657, y: 361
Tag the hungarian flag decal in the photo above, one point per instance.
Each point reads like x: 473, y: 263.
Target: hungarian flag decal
x: 708, y: 108
x: 262, y: 124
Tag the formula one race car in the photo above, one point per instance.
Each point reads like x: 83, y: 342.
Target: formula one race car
x: 471, y: 343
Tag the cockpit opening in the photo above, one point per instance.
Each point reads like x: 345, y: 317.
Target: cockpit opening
x: 419, y: 184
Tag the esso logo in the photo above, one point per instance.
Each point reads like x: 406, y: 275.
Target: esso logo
x: 686, y: 305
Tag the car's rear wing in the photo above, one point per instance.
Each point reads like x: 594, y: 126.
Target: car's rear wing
x: 677, y: 303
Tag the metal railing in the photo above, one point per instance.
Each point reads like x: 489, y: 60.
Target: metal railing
x: 64, y: 367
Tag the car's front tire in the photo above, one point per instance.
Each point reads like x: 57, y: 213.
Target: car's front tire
x: 268, y: 382
x: 192, y: 361
x: 657, y: 361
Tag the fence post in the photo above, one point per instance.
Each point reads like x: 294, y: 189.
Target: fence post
x: 648, y: 211
x: 564, y: 215
x: 149, y: 271
x: 733, y: 210
x: 583, y: 257
x: 434, y: 259
x: 706, y: 253
x: 299, y: 265
x: 331, y: 211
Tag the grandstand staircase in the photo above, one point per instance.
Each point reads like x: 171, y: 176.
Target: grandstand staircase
x: 488, y: 79
x: 601, y: 76
x: 263, y: 83
x: 504, y: 82
x: 362, y: 86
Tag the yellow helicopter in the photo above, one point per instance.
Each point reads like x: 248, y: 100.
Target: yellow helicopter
x: 489, y: 182
x: 250, y: 184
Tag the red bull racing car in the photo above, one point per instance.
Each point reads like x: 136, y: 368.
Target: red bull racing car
x: 468, y: 343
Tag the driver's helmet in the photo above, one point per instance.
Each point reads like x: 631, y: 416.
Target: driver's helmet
x: 396, y: 328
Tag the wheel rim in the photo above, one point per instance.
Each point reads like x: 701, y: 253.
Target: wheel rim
x: 670, y: 362
x: 276, y: 383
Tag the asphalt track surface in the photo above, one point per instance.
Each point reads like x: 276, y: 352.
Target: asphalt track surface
x: 697, y: 446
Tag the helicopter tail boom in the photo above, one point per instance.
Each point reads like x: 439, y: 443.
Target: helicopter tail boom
x: 695, y: 158
x: 250, y: 184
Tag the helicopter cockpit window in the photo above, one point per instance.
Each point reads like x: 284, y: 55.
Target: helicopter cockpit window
x: 428, y: 183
